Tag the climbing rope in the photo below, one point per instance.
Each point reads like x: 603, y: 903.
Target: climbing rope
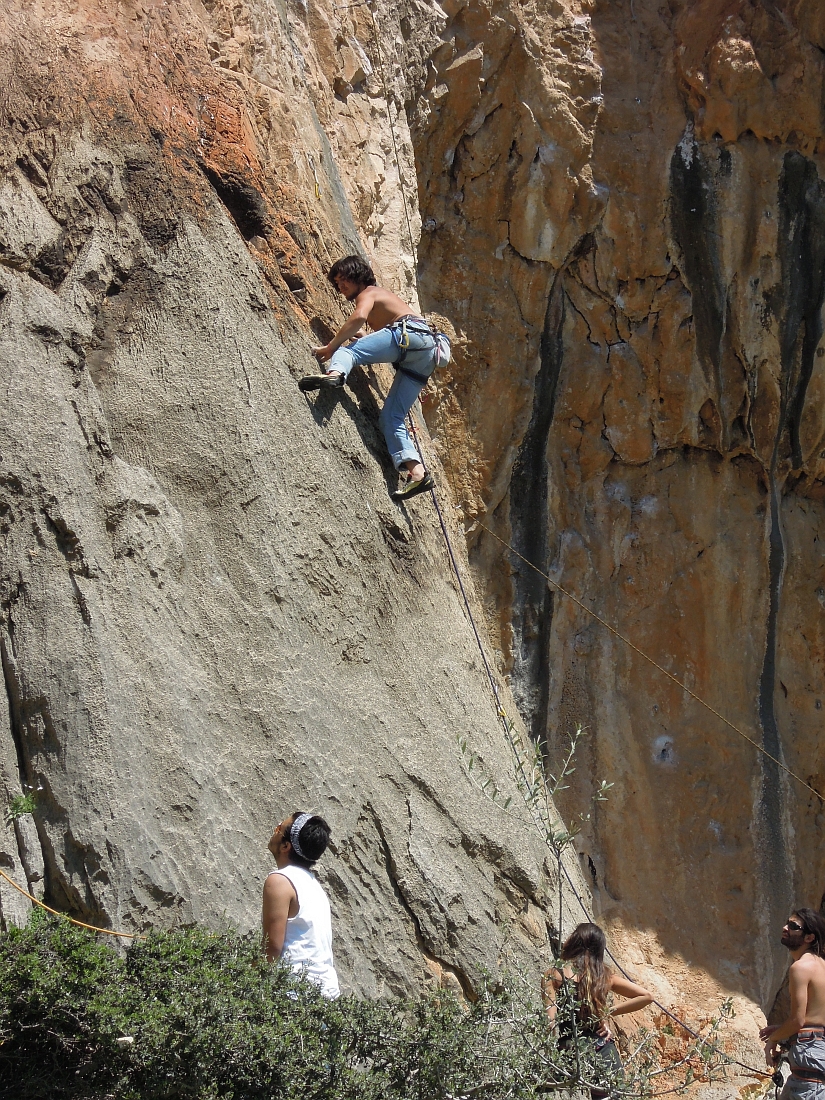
x: 502, y: 715
x: 380, y: 55
x: 79, y: 923
x: 655, y: 664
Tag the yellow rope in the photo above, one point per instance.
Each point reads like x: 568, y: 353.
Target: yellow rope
x: 79, y: 923
x: 655, y: 664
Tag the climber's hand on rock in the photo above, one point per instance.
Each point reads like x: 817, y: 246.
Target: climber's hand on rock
x: 766, y: 1032
x: 322, y: 354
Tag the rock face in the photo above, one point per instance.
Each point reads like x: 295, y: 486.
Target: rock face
x: 626, y: 206
x: 211, y: 613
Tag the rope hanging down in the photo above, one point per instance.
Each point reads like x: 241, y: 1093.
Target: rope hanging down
x: 79, y: 923
x: 655, y: 664
x: 502, y: 715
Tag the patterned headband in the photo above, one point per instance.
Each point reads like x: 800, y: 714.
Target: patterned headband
x: 294, y: 832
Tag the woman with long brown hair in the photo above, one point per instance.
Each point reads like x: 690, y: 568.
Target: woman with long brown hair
x: 591, y: 984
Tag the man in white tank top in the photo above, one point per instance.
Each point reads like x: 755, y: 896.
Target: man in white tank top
x: 296, y: 918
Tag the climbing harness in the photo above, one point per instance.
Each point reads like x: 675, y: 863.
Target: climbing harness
x: 802, y: 1073
x: 71, y: 920
x: 778, y: 1082
x: 401, y: 330
x: 808, y: 1074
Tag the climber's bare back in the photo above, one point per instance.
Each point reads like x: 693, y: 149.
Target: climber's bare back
x: 374, y: 304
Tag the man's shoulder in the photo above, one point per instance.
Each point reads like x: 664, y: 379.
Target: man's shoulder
x: 277, y: 882
x: 808, y: 964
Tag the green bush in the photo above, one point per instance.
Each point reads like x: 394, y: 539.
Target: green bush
x: 194, y: 1014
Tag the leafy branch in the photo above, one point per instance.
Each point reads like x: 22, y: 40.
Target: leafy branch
x: 537, y: 786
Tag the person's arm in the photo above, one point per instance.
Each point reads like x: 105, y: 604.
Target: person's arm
x: 550, y: 984
x: 798, y: 978
x: 351, y: 327
x: 636, y: 996
x: 279, y: 894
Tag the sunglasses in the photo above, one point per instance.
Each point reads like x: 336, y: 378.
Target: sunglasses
x: 792, y: 926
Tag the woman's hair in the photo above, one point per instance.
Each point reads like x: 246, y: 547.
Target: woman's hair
x: 354, y: 268
x: 813, y: 924
x: 585, y: 947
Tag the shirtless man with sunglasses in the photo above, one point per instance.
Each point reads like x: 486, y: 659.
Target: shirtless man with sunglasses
x: 803, y: 1033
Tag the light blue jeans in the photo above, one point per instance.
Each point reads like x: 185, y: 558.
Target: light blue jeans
x: 382, y: 347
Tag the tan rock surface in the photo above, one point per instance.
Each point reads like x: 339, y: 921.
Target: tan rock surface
x: 211, y: 611
x: 621, y: 211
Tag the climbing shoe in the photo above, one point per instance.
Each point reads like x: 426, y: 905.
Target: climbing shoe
x: 321, y: 382
x: 413, y: 488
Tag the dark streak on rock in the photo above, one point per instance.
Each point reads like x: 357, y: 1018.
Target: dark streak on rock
x: 802, y: 259
x: 150, y: 198
x: 83, y: 606
x: 395, y: 882
x: 694, y: 224
x: 772, y: 841
x: 243, y: 201
x: 532, y: 598
x: 801, y: 201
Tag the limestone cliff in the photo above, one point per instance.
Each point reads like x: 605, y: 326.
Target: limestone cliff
x: 210, y: 610
x: 623, y: 207
x: 212, y: 613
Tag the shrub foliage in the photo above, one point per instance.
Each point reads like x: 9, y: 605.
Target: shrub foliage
x: 193, y: 1014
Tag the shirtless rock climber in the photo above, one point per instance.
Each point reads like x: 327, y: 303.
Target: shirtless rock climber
x: 399, y: 337
x: 295, y: 915
x: 803, y: 1033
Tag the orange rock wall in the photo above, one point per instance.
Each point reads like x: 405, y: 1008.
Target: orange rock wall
x: 624, y: 211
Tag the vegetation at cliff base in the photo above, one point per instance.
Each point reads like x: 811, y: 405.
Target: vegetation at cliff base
x: 194, y: 1014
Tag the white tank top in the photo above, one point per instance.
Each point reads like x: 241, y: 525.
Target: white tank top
x: 308, y: 940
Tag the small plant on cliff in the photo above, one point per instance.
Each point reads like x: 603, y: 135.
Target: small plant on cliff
x: 536, y: 784
x: 21, y: 804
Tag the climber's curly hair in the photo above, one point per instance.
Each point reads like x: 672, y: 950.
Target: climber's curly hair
x: 354, y: 268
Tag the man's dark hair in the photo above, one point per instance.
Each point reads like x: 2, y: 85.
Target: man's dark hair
x: 313, y: 838
x: 354, y: 268
x: 813, y: 924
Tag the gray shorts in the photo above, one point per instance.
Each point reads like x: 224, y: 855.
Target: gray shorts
x: 806, y: 1054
